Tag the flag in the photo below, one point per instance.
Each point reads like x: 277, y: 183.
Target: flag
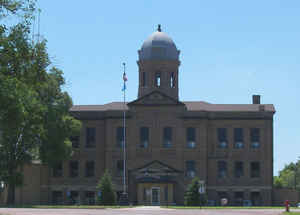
x: 124, y: 79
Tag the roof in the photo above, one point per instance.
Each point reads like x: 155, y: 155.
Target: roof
x: 159, y: 46
x: 190, y: 105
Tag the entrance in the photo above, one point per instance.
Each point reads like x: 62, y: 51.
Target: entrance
x: 155, y: 196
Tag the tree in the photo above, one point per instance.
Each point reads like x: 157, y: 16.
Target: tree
x: 34, y: 111
x: 192, y: 196
x: 289, y: 177
x: 108, y: 195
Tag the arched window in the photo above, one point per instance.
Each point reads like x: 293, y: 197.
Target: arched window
x: 157, y: 79
x: 172, y: 80
x: 144, y: 79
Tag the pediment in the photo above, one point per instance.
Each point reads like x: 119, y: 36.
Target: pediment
x: 154, y: 169
x: 156, y: 98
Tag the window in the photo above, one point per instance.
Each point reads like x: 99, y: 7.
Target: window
x: 167, y: 137
x: 254, y: 137
x: 144, y: 194
x: 143, y: 79
x: 166, y: 193
x: 238, y: 138
x: 238, y: 169
x: 120, y: 137
x: 90, y: 169
x: 222, y: 169
x: 191, y: 137
x: 58, y: 170
x: 73, y: 169
x: 90, y: 137
x: 90, y: 197
x: 75, y: 141
x: 120, y: 167
x: 190, y: 168
x: 172, y: 80
x: 222, y: 137
x: 238, y: 198
x: 255, y: 198
x: 157, y: 79
x: 254, y: 169
x: 144, y: 137
x: 74, y: 197
x: 57, y: 197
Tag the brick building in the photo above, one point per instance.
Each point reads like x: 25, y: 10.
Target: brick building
x: 168, y: 143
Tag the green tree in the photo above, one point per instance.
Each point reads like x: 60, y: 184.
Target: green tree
x: 289, y: 176
x: 192, y: 196
x: 108, y: 195
x: 34, y: 111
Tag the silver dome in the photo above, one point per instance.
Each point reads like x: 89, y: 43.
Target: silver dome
x: 159, y: 46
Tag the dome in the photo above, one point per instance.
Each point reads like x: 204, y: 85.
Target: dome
x: 159, y: 46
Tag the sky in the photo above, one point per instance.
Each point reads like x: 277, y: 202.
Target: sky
x: 230, y: 50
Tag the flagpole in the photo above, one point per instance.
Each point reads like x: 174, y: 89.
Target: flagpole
x: 124, y: 134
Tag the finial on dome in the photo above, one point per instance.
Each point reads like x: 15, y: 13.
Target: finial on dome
x: 159, y: 28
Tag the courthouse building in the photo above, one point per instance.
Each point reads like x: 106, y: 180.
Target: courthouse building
x: 169, y: 141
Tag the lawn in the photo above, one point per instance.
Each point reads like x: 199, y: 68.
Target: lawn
x: 220, y: 207
x: 66, y: 206
x: 292, y: 213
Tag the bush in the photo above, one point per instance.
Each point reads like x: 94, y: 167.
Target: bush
x: 108, y: 195
x: 192, y: 197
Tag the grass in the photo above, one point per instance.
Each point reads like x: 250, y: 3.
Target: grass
x: 229, y: 207
x: 292, y: 213
x: 66, y: 206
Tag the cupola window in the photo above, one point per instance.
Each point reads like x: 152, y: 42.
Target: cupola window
x: 157, y: 79
x: 172, y: 80
x: 144, y: 79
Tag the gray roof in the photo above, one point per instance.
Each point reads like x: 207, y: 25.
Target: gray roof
x: 190, y: 105
x: 159, y: 46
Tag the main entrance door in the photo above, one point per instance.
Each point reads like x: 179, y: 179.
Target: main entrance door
x: 155, y: 196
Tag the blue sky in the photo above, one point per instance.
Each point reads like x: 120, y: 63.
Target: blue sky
x: 230, y: 50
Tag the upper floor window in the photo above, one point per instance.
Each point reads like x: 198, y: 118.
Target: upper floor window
x: 120, y: 167
x: 222, y: 138
x: 167, y: 137
x: 222, y: 169
x: 238, y: 169
x: 191, y: 137
x: 58, y: 170
x: 143, y: 79
x: 75, y: 141
x: 238, y: 138
x: 120, y: 137
x: 190, y: 168
x: 255, y: 137
x: 255, y: 169
x: 73, y: 169
x: 90, y: 169
x: 172, y: 80
x: 144, y: 137
x: 157, y: 79
x: 90, y: 137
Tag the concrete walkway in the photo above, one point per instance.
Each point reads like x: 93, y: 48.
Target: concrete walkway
x: 146, y: 210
